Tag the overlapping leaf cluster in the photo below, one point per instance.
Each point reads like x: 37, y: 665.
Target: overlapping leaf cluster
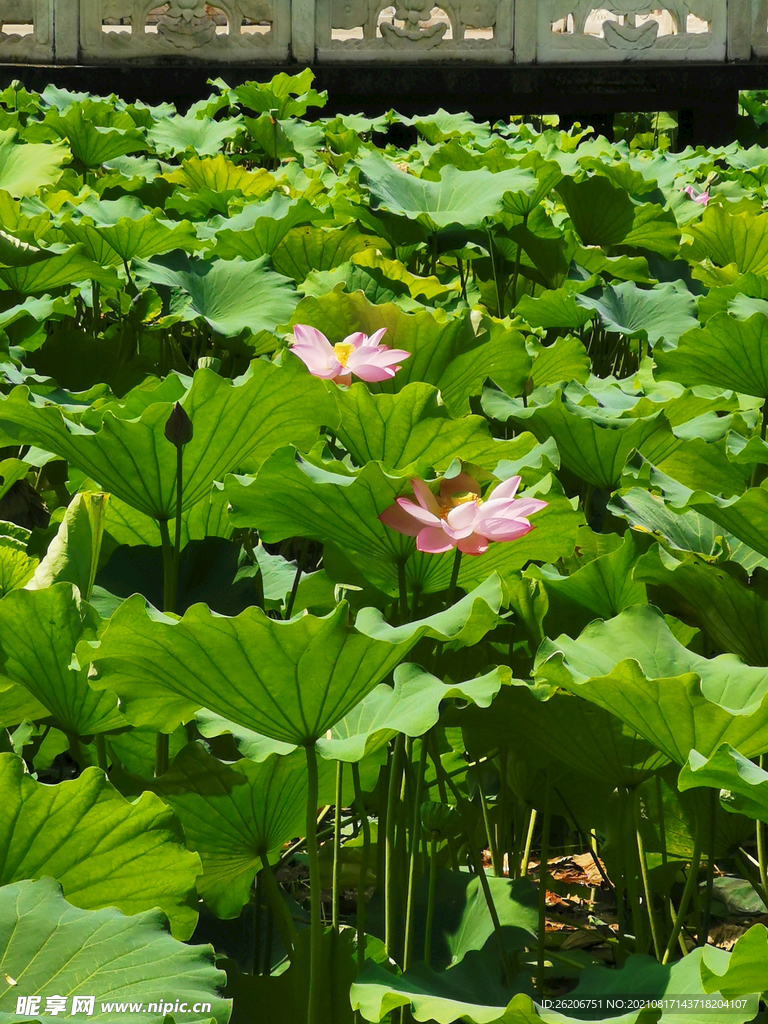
x: 202, y: 646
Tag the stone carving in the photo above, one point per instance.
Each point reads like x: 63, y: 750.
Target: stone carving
x: 415, y: 29
x: 35, y: 40
x: 148, y: 28
x: 631, y: 29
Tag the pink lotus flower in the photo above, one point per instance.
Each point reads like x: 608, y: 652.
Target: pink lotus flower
x: 459, y: 518
x: 358, y: 354
x: 697, y: 197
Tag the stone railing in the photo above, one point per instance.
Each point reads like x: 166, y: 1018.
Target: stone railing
x: 111, y: 32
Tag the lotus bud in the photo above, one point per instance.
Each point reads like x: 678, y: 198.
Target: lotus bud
x: 440, y: 818
x: 178, y: 427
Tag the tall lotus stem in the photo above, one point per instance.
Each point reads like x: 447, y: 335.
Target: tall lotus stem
x: 361, y: 885
x: 704, y: 933
x: 316, y: 924
x: 690, y: 885
x: 391, y: 874
x: 410, y: 899
x: 647, y: 891
x: 543, y: 864
x: 762, y: 859
x: 454, y: 577
x: 337, y: 843
x: 431, y: 897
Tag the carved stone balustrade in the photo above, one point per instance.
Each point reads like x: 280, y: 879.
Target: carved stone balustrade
x: 270, y: 32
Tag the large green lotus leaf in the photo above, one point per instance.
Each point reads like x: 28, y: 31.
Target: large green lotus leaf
x: 745, y: 785
x: 170, y: 136
x: 411, y: 432
x: 446, y: 352
x: 593, y: 445
x: 235, y: 816
x: 664, y: 311
x: 607, y: 216
x: 556, y: 308
x: 746, y: 969
x: 92, y: 144
x: 218, y: 175
x: 729, y: 238
x: 459, y: 197
x: 411, y: 707
x: 680, y: 531
x: 49, y: 947
x: 634, y: 667
x: 230, y: 295
x: 113, y: 240
x: 644, y: 977
x: 289, y: 498
x: 258, y: 228
x: 50, y: 271
x: 291, y: 681
x: 105, y: 851
x: 235, y: 425
x: 726, y: 353
x: 311, y: 247
x: 698, y: 463
x: 207, y: 518
x: 16, y: 566
x: 39, y: 630
x: 73, y: 554
x: 288, y: 95
x: 565, y: 359
x: 744, y: 517
x: 731, y: 606
x: 27, y: 167
x: 544, y: 724
x: 598, y: 590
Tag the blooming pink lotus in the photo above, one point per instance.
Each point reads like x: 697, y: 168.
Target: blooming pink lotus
x: 359, y: 354
x: 697, y: 197
x: 459, y: 518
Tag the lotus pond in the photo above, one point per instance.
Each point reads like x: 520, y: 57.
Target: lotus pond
x: 384, y: 567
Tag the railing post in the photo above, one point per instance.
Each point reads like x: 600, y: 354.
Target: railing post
x: 739, y: 29
x: 303, y: 31
x: 524, y: 44
x: 66, y: 31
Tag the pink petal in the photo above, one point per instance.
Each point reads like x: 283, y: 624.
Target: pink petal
x: 517, y: 508
x: 344, y: 378
x: 375, y: 374
x: 398, y: 519
x: 462, y: 516
x: 423, y: 515
x: 506, y: 489
x: 366, y: 362
x: 356, y: 339
x: 425, y: 497
x: 316, y: 352
x: 503, y: 529
x: 433, y: 540
x: 473, y: 545
x: 459, y: 484
x: 374, y: 339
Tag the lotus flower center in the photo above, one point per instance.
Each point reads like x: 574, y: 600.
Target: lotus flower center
x: 453, y: 500
x: 343, y: 351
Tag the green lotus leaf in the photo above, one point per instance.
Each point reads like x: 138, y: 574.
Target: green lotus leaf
x: 664, y: 311
x: 235, y: 816
x: 49, y: 947
x: 411, y: 707
x: 92, y: 144
x: 291, y: 681
x: 459, y: 197
x: 73, y: 554
x: 287, y: 139
x: 729, y: 238
x: 217, y: 175
x: 446, y: 352
x: 634, y: 667
x: 16, y: 567
x: 565, y: 359
x: 170, y: 136
x: 726, y: 353
x: 104, y: 851
x: 744, y: 783
x: 288, y: 95
x: 40, y: 630
x: 42, y: 270
x: 744, y: 517
x: 554, y: 308
x: 289, y: 498
x: 235, y: 426
x: 699, y: 464
x: 230, y: 295
x: 593, y: 445
x: 26, y: 167
x: 607, y: 216
x: 207, y: 518
x: 309, y: 247
x: 731, y: 606
x: 258, y: 228
x: 745, y: 970
x: 410, y: 432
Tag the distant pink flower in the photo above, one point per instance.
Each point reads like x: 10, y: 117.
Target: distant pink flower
x: 459, y: 518
x: 358, y: 354
x: 697, y: 197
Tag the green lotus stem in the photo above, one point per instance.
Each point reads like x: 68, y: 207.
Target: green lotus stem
x: 690, y: 885
x: 704, y: 931
x: 626, y: 823
x: 280, y: 911
x: 414, y: 852
x: 454, y: 577
x: 162, y: 743
x: 402, y: 588
x: 489, y: 832
x: 101, y: 751
x: 516, y: 272
x: 177, y: 537
x: 257, y: 927
x: 430, y: 898
x: 647, y: 891
x: 297, y: 578
x: 528, y: 843
x: 337, y: 843
x: 361, y: 885
x: 503, y: 833
x: 96, y: 316
x: 390, y: 871
x: 315, y: 920
x: 441, y: 776
x: 499, y: 298
x: 746, y: 874
x: 543, y: 872
x: 762, y: 858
